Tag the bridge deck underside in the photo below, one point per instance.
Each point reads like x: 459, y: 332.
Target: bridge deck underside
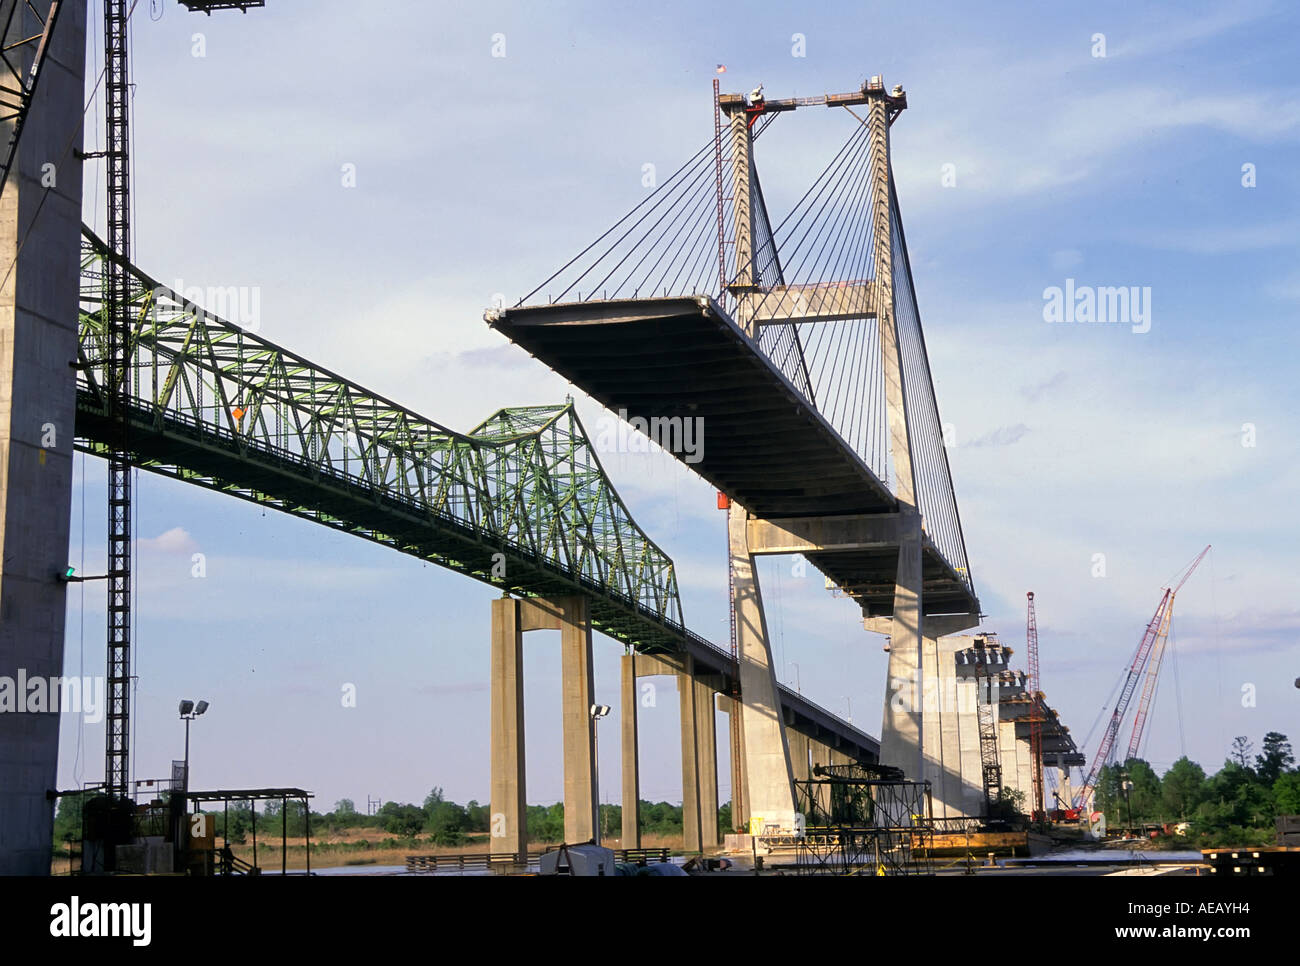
x: 762, y: 443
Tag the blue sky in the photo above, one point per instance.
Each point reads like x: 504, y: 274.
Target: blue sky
x: 478, y: 175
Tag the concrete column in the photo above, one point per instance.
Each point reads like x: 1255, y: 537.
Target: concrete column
x: 686, y: 695
x: 736, y: 740
x: 938, y: 725
x: 820, y: 754
x: 40, y: 238
x: 631, y: 838
x: 1007, y: 756
x: 769, y: 788
x: 1024, y: 772
x: 799, y: 755
x: 968, y: 736
x: 1063, y: 784
x: 580, y: 814
x: 706, y: 749
x: 799, y: 766
x: 900, y: 730
x: 509, y: 810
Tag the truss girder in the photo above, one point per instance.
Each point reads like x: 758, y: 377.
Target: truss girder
x: 520, y: 502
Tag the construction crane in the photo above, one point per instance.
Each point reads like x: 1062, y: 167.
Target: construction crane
x: 990, y: 760
x: 117, y: 311
x: 1038, y: 713
x: 1157, y: 631
x: 1153, y: 666
x: 117, y: 321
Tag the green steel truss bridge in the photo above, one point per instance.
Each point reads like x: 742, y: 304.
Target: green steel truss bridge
x: 520, y: 502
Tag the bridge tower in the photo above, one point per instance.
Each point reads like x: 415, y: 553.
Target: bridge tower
x: 40, y: 238
x: 758, y: 307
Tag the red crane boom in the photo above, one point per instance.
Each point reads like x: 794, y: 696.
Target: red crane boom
x: 1153, y: 668
x: 1157, y: 625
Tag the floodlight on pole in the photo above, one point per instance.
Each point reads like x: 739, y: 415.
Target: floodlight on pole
x: 597, y: 711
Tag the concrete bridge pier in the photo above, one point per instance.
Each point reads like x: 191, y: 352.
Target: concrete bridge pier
x: 1008, y: 753
x: 736, y: 740
x: 769, y: 785
x: 686, y: 698
x: 509, y: 802
x: 799, y: 745
x: 40, y: 244
x: 631, y: 836
x: 699, y: 761
x: 706, y: 744
x: 511, y: 618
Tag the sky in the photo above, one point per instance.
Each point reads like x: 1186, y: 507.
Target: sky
x: 379, y: 180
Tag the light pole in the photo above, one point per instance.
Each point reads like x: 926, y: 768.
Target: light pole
x: 189, y: 711
x: 1127, y: 786
x: 598, y: 711
x: 798, y: 682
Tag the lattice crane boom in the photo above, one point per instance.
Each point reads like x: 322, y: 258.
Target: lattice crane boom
x: 1140, y: 658
x: 1039, y: 711
x: 1157, y: 656
x: 1156, y: 628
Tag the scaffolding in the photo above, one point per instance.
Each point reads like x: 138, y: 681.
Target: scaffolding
x: 863, y: 820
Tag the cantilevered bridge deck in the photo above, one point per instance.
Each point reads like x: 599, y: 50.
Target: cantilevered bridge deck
x: 762, y: 443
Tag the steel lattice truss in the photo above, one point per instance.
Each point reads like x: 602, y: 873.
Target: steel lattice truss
x: 25, y: 31
x: 520, y: 502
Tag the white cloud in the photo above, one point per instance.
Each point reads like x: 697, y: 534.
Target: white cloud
x: 177, y: 540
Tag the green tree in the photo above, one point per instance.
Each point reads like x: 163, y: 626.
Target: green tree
x: 1275, y: 759
x: 446, y: 820
x: 1241, y: 799
x: 1010, y: 803
x: 1286, y: 793
x: 403, y: 820
x: 1241, y: 749
x: 1144, y: 795
x: 344, y: 808
x: 1108, y: 797
x: 477, y: 817
x: 1183, y: 788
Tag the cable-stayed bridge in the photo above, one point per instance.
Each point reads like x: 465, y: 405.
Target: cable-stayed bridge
x: 798, y: 345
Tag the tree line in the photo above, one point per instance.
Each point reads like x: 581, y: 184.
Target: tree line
x: 1237, y: 805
